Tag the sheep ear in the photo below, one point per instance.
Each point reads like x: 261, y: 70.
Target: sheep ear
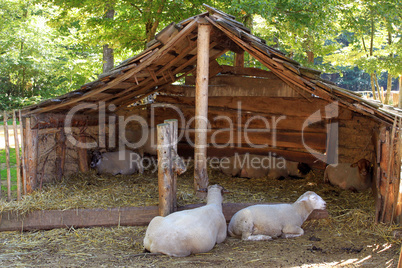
x: 307, y: 198
x: 304, y: 198
x: 353, y: 165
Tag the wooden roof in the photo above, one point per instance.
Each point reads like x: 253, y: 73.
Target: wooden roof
x: 173, y: 54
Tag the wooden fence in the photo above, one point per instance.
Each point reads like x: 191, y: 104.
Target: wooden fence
x: 11, y: 140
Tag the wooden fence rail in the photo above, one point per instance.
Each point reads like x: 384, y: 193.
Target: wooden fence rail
x: 6, y: 143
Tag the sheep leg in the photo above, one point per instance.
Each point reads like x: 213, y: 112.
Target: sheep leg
x: 290, y: 231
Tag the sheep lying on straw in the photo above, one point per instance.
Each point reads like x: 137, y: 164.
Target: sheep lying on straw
x: 264, y: 222
x: 190, y: 231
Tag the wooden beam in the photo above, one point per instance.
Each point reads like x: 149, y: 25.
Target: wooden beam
x: 201, y: 108
x: 17, y: 156
x: 23, y: 144
x: 332, y: 143
x: 126, y: 216
x: 159, y: 53
x: 60, y: 139
x: 57, y: 120
x: 7, y: 144
x: 239, y: 60
x: 31, y: 155
x: 173, y: 130
x: 165, y: 171
x: 273, y: 105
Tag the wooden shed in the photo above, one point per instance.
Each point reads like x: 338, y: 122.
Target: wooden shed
x: 286, y: 109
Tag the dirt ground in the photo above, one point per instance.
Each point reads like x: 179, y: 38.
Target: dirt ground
x: 348, y: 238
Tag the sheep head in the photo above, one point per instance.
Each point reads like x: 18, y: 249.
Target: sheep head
x: 313, y: 199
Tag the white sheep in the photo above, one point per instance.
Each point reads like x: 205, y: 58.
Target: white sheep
x: 123, y: 162
x: 264, y: 222
x: 355, y: 177
x: 189, y: 231
x: 289, y: 169
x: 256, y: 166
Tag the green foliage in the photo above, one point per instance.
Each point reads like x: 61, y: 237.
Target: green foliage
x: 3, y: 170
x: 48, y: 48
x: 36, y: 62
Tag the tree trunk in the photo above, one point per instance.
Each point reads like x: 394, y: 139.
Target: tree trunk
x: 152, y: 25
x: 389, y: 86
x: 310, y: 56
x: 389, y: 82
x: 108, y: 58
x: 380, y: 95
x: 400, y: 92
x: 373, y: 85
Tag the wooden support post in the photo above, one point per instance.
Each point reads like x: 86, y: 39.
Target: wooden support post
x: 396, y: 171
x: 24, y: 173
x: 332, y: 143
x: 387, y: 181
x: 7, y: 143
x: 60, y: 153
x: 398, y: 195
x: 174, y: 128
x: 164, y: 169
x: 82, y: 155
x: 17, y: 156
x: 201, y: 108
x: 239, y: 60
x: 31, y: 156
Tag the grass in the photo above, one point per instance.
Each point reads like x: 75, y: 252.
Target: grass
x: 9, y: 122
x: 3, y: 170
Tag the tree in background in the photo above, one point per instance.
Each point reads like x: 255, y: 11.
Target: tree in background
x: 344, y: 37
x: 51, y: 47
x: 120, y: 25
x: 36, y: 62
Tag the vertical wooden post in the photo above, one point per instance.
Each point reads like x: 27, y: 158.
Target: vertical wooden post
x: 398, y: 210
x: 379, y: 138
x: 201, y: 108
x: 239, y: 60
x: 60, y: 153
x: 332, y: 143
x: 174, y: 128
x: 31, y: 156
x: 388, y: 179
x: 17, y: 156
x: 24, y: 173
x: 82, y: 155
x: 164, y: 169
x: 7, y: 143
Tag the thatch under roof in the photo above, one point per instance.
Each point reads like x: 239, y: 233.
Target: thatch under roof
x: 172, y: 55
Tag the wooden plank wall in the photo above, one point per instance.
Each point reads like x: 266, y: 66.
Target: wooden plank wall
x: 274, y: 121
x: 356, y: 139
x: 233, y: 104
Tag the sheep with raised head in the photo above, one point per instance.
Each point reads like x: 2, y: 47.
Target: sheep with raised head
x: 123, y: 162
x: 265, y: 222
x: 189, y: 231
x: 355, y: 177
